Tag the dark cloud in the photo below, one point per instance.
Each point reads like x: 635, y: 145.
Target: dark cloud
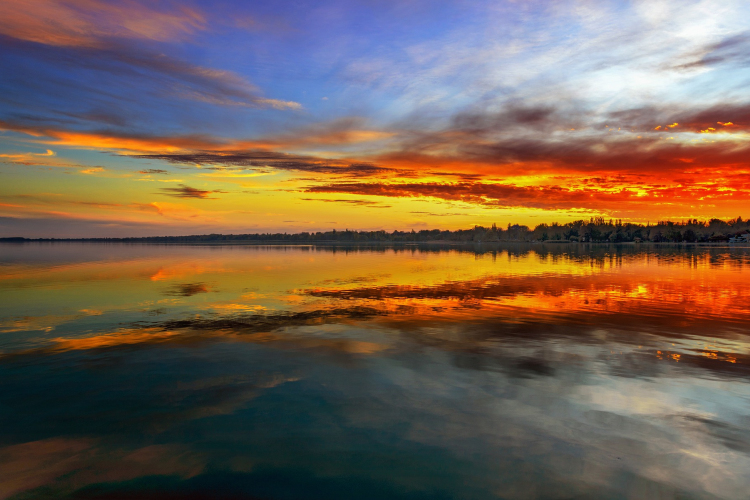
x: 475, y: 193
x: 732, y: 50
x: 433, y: 214
x: 520, y: 140
x: 543, y: 197
x: 184, y: 191
x: 647, y: 118
x: 281, y: 161
x: 513, y: 116
x: 366, y: 203
x: 153, y: 171
x: 465, y: 176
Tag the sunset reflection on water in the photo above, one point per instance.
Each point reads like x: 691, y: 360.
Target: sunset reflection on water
x: 530, y: 371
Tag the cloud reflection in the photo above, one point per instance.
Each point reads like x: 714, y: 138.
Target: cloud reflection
x: 536, y: 371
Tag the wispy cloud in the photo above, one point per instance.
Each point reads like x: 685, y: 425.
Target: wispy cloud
x: 93, y: 22
x: 26, y: 158
x: 732, y: 50
x: 156, y: 73
x: 93, y: 170
x: 47, y: 159
x: 281, y: 161
x: 122, y: 46
x: 186, y: 192
x: 358, y: 202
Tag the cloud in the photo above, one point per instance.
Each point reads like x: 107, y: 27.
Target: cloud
x: 433, y: 214
x: 281, y: 161
x: 93, y: 170
x: 521, y: 138
x: 549, y: 197
x: 531, y: 139
x: 116, y: 54
x: 726, y: 117
x: 47, y: 159
x: 341, y: 131
x: 153, y: 171
x: 186, y: 192
x: 555, y: 157
x: 474, y: 193
x: 90, y: 23
x: 113, y: 140
x: 155, y: 73
x: 731, y: 50
x: 514, y: 116
x: 277, y: 103
x: 27, y: 157
x: 516, y: 156
x: 195, y: 148
x: 364, y: 203
x: 349, y: 131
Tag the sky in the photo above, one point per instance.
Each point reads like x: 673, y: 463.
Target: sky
x: 135, y: 118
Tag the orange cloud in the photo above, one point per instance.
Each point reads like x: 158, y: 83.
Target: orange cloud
x: 604, y: 195
x: 340, y: 132
x: 123, y: 142
x: 511, y: 158
x: 34, y: 159
x: 93, y: 170
x: 88, y: 23
x: 344, y: 131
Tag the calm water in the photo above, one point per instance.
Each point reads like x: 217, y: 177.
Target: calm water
x: 296, y: 372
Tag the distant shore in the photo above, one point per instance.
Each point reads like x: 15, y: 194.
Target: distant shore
x: 595, y: 230
x: 330, y: 243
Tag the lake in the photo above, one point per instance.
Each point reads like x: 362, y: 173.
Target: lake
x: 271, y: 372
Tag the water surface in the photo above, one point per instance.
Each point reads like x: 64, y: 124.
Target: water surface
x: 559, y: 371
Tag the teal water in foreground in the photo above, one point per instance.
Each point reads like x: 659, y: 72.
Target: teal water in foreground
x: 559, y: 371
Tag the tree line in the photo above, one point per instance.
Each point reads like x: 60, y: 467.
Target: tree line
x: 596, y: 229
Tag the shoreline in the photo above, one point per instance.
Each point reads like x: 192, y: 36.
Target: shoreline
x: 329, y: 243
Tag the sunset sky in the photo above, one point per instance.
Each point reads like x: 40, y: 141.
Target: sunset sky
x: 135, y: 118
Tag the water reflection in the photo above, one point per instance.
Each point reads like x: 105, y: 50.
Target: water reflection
x: 271, y: 372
